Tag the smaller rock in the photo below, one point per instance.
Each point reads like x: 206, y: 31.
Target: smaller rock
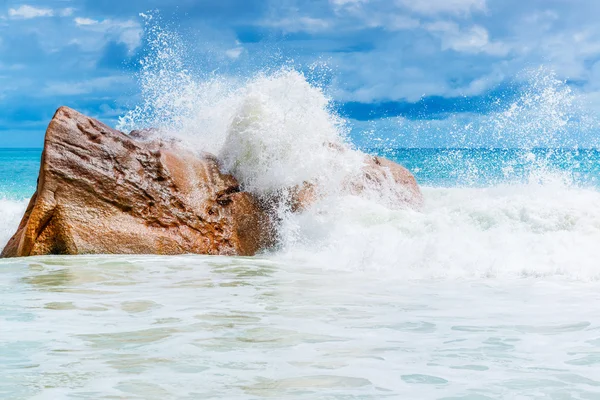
x: 390, y: 179
x: 379, y: 177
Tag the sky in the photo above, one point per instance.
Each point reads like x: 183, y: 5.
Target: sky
x: 398, y: 66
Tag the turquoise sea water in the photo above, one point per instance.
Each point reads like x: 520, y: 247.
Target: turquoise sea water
x: 18, y: 172
x: 489, y: 167
x: 432, y: 167
x: 488, y: 292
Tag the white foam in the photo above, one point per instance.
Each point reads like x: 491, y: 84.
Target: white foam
x: 11, y: 212
x: 272, y: 131
x: 505, y: 231
x: 281, y: 135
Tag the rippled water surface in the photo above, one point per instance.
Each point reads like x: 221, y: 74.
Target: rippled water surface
x: 217, y: 327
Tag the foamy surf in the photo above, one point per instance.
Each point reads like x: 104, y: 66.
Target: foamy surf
x: 11, y: 212
x: 508, y: 231
x: 502, y: 232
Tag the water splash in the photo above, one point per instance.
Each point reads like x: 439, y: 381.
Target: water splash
x: 537, y: 111
x: 282, y: 134
x: 545, y: 114
x: 11, y: 212
x: 272, y: 130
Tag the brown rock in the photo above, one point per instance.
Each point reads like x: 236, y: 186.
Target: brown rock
x: 379, y: 176
x: 302, y: 196
x: 391, y: 179
x: 103, y: 192
x: 143, y: 134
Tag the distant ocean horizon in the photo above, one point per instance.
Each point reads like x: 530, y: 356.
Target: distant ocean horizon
x: 432, y: 167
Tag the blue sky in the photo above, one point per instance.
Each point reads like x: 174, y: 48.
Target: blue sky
x: 414, y: 61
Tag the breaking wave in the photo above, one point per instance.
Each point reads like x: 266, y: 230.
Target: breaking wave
x: 274, y: 130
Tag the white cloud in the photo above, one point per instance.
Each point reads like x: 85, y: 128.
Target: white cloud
x: 347, y: 4
x: 400, y: 22
x: 66, y: 12
x: 131, y: 36
x: 85, y: 21
x: 128, y: 32
x: 479, y: 85
x: 360, y: 14
x: 389, y: 21
x: 28, y: 12
x: 433, y: 7
x: 474, y: 39
x: 342, y: 3
x: 235, y: 52
x: 11, y: 67
x: 299, y: 24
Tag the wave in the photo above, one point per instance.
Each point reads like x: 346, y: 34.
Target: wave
x: 506, y: 231
x: 548, y: 230
x: 272, y: 130
x: 275, y: 129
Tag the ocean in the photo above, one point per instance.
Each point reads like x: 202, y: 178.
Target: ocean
x: 488, y: 292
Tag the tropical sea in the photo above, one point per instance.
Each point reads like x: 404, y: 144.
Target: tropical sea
x: 487, y: 292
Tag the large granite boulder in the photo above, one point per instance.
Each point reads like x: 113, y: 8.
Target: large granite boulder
x: 101, y: 191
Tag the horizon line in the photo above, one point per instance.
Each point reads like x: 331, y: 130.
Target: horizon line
x: 394, y: 148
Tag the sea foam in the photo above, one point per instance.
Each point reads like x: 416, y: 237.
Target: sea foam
x: 11, y: 212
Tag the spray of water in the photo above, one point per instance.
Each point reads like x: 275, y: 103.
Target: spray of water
x: 274, y: 130
x: 538, y: 111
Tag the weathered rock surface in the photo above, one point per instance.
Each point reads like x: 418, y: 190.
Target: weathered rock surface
x: 103, y: 192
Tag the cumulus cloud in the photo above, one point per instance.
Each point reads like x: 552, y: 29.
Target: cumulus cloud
x: 390, y: 21
x: 343, y: 3
x: 127, y: 32
x: 474, y: 39
x: 66, y: 12
x: 361, y: 14
x: 85, y: 21
x: 299, y: 24
x: 27, y: 12
x: 347, y: 4
x: 235, y: 52
x: 433, y: 7
x: 377, y: 50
